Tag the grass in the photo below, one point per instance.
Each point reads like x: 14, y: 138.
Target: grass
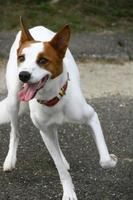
x: 82, y: 15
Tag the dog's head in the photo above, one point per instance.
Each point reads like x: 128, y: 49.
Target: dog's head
x: 40, y: 61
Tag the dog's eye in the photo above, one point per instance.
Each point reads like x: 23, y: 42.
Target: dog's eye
x: 42, y: 61
x: 21, y: 58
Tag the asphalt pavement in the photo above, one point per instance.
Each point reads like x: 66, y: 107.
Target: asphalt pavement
x: 106, y: 45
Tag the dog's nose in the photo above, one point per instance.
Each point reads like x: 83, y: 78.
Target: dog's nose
x: 24, y: 76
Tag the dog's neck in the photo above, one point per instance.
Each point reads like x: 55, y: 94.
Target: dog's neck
x: 53, y: 86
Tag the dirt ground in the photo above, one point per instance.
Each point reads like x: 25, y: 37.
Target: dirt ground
x: 103, y: 79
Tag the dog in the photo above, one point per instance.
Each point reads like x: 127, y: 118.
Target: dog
x: 41, y: 71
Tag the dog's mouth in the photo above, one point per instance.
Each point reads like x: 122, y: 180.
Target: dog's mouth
x: 29, y: 90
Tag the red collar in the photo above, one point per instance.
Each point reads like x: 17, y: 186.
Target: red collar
x: 56, y: 99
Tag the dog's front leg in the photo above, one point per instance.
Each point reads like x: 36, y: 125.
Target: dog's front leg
x: 106, y: 160
x: 13, y: 108
x: 51, y: 142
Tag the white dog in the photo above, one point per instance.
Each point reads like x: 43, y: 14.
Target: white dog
x: 42, y: 71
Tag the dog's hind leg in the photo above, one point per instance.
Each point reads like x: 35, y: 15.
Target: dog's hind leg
x: 106, y: 160
x: 50, y: 140
x: 13, y: 108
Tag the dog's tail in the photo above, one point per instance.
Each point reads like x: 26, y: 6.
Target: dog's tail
x: 4, y: 116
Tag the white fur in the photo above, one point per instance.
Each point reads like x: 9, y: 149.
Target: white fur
x: 30, y: 64
x: 72, y: 108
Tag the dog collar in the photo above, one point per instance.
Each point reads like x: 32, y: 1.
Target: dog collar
x: 57, y: 98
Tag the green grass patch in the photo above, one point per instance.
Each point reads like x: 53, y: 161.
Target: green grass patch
x: 82, y: 15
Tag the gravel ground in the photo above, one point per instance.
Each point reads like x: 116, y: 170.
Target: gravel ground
x: 35, y: 176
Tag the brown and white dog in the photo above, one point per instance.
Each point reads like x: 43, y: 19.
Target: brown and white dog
x: 42, y: 71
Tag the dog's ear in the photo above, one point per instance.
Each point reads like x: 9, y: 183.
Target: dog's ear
x: 25, y: 34
x: 60, y: 41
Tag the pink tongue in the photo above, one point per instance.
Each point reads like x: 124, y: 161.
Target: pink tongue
x: 28, y: 91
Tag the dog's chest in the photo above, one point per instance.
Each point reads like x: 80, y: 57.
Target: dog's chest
x: 44, y: 117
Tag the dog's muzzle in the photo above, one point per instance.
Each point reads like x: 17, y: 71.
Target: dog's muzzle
x: 24, y: 76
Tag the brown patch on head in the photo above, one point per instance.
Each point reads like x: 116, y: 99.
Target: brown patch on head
x: 49, y: 60
x: 26, y: 40
x: 60, y: 41
x: 20, y: 49
x: 54, y: 51
x: 25, y: 34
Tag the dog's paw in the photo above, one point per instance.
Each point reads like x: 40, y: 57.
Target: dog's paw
x: 68, y: 191
x: 9, y: 165
x: 110, y: 163
x: 69, y: 195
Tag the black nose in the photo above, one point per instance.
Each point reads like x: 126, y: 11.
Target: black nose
x: 24, y: 76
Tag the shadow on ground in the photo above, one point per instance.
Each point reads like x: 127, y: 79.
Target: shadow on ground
x: 35, y: 177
